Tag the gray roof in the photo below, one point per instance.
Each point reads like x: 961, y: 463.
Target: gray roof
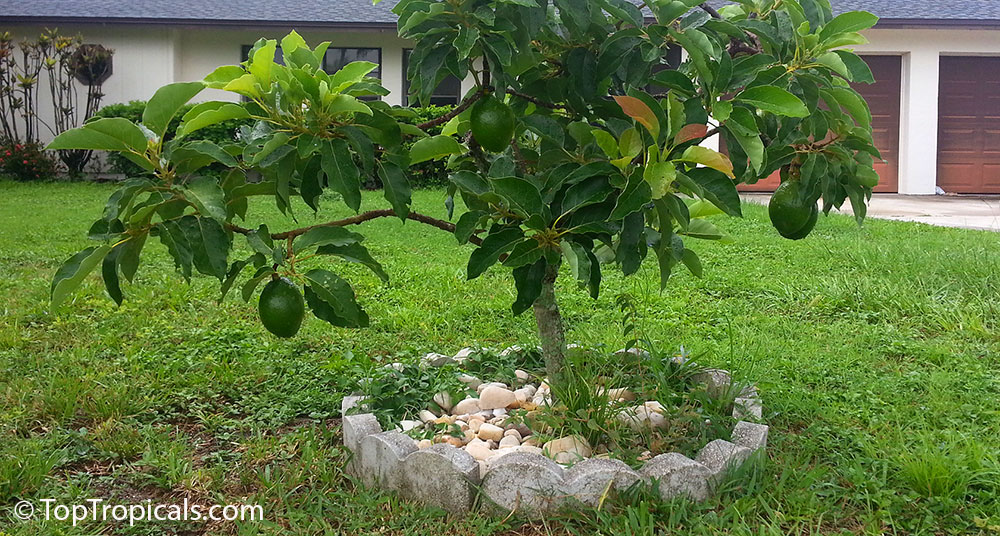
x: 363, y: 13
x: 244, y: 12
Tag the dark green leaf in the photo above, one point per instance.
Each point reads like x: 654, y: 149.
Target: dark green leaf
x: 395, y: 188
x: 341, y: 172
x: 358, y: 253
x: 322, y: 236
x: 206, y: 195
x: 332, y: 299
x: 499, y: 241
x: 209, y: 244
x: 521, y: 196
x: 528, y: 282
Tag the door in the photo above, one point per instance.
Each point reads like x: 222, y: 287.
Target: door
x: 969, y: 125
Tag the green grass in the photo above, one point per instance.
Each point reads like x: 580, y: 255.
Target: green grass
x: 875, y: 349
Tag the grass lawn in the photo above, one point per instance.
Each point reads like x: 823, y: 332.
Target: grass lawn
x: 875, y: 349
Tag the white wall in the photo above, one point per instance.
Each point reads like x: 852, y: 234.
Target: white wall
x: 921, y: 50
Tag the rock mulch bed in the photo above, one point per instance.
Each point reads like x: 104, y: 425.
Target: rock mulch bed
x: 503, y: 460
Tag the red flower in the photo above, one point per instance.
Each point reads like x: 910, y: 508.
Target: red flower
x: 24, y: 161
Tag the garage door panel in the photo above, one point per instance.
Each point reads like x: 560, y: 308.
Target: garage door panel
x: 960, y: 176
x: 883, y: 99
x: 969, y: 125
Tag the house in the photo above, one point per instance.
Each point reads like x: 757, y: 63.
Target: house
x: 937, y: 66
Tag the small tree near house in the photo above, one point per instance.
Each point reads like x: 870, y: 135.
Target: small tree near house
x: 574, y: 147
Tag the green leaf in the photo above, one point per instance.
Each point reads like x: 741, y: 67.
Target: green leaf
x: 497, y: 242
x: 341, y: 173
x: 358, y: 253
x: 630, y: 246
x: 207, y: 196
x: 165, y: 104
x: 332, y: 299
x: 635, y: 194
x: 105, y: 134
x: 128, y: 259
x: 347, y: 104
x: 834, y: 63
x: 322, y: 236
x: 262, y: 63
x: 109, y: 273
x: 177, y: 245
x: 466, y: 225
x: 586, y: 192
x: 209, y: 244
x: 234, y: 271
x: 350, y: 74
x: 74, y: 270
x: 579, y: 261
x: 852, y: 21
x: 264, y: 272
x: 718, y: 189
x: 704, y: 230
x: 606, y: 142
x: 395, y: 188
x: 851, y: 101
x: 205, y: 149
x: 470, y: 182
x: 859, y: 71
x: 690, y: 259
x: 260, y: 241
x: 433, y: 148
x: 222, y: 76
x: 521, y: 196
x: 659, y: 176
x: 528, y: 282
x: 525, y: 252
x: 207, y: 114
x: 775, y: 100
x: 290, y: 43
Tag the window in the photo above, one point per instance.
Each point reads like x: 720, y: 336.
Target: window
x: 337, y: 58
x: 448, y: 92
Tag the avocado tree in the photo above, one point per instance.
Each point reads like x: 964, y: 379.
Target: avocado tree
x: 577, y: 145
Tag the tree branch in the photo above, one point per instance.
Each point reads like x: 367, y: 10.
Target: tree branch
x: 711, y: 10
x: 359, y: 219
x: 469, y: 101
x: 537, y: 101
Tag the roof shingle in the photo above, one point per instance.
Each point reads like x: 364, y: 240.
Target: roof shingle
x: 362, y: 12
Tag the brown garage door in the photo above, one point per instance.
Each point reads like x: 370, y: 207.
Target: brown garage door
x: 883, y: 99
x: 969, y: 125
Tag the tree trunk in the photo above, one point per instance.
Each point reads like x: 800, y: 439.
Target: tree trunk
x: 550, y: 326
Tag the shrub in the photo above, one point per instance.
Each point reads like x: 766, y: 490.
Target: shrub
x: 429, y: 174
x: 26, y: 162
x: 221, y: 134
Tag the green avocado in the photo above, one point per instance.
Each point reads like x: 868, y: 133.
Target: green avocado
x: 281, y: 307
x: 793, y: 217
x: 492, y: 124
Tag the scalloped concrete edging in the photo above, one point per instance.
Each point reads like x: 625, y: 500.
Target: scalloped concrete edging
x: 448, y: 477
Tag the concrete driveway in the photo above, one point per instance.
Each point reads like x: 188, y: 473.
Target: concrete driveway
x: 966, y: 212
